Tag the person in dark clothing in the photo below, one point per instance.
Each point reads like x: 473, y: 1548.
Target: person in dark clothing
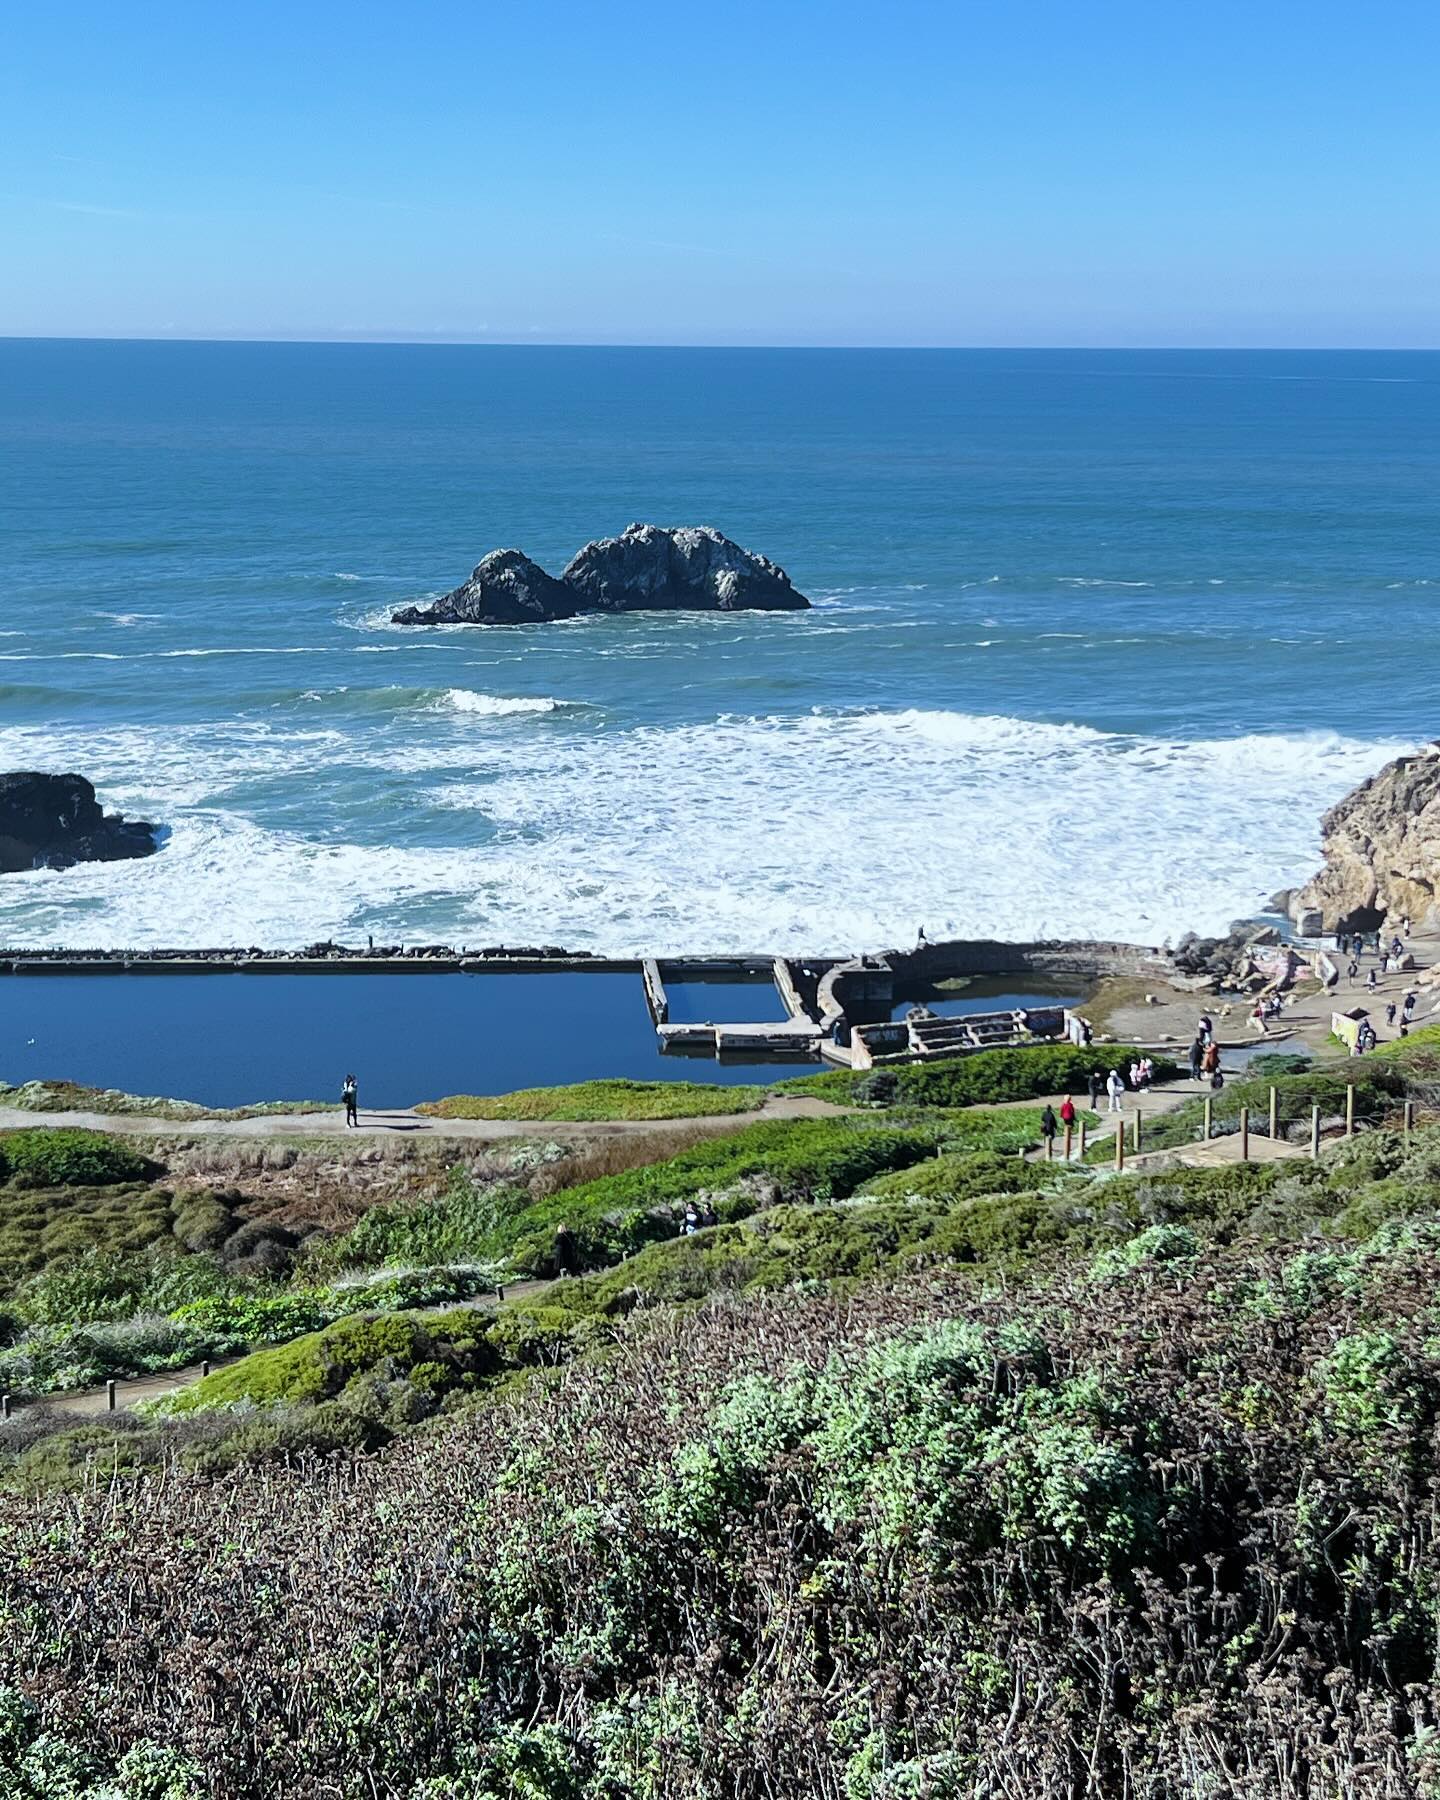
x: 567, y: 1258
x: 1410, y: 1000
x: 1197, y: 1058
x: 1096, y: 1083
x: 1390, y: 1012
x: 1049, y: 1125
x: 350, y: 1094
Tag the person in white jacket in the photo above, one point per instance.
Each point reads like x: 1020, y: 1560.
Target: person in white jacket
x: 1115, y: 1088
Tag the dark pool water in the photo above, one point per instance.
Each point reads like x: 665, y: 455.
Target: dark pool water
x: 990, y: 993
x: 233, y: 1039
x: 723, y: 1002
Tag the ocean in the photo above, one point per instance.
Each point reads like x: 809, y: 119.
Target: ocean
x: 1096, y: 637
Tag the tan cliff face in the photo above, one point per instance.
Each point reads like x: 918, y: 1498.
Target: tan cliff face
x: 1382, y: 850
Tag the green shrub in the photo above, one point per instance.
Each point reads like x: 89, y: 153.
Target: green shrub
x: 40, y: 1157
x: 989, y: 1077
x: 321, y: 1364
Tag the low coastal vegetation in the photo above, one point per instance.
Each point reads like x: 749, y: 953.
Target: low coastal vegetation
x: 926, y: 1468
x: 988, y: 1078
x: 599, y: 1100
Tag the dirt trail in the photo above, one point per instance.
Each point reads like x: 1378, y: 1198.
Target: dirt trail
x: 407, y: 1122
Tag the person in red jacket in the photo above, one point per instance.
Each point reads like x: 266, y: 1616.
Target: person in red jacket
x: 1067, y: 1113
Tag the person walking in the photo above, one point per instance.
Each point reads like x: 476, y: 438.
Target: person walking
x: 1197, y: 1058
x: 1067, y: 1113
x: 1095, y: 1084
x: 350, y: 1094
x: 1115, y: 1088
x: 1372, y: 981
x: 1049, y: 1125
x: 1409, y: 1007
x: 1390, y: 1012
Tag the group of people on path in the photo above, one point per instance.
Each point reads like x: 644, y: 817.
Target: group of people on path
x: 1205, y: 1053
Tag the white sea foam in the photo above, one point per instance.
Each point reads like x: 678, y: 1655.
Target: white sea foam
x: 495, y: 706
x: 823, y: 831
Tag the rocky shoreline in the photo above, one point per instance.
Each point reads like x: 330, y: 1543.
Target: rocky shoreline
x: 55, y: 821
x: 647, y: 568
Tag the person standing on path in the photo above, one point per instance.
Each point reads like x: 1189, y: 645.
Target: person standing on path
x: 1049, y: 1125
x: 1095, y: 1085
x: 1197, y: 1058
x: 1115, y: 1088
x: 350, y: 1094
x: 1067, y: 1113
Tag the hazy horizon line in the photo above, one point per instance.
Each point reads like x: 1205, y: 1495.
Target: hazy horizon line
x: 439, y: 341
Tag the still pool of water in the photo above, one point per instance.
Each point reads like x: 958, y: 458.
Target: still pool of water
x: 724, y: 1002
x: 234, y: 1040
x: 989, y: 994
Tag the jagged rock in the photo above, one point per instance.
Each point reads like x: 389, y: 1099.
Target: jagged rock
x: 506, y: 588
x: 1382, y: 850
x: 55, y: 821
x: 651, y: 568
x: 647, y: 568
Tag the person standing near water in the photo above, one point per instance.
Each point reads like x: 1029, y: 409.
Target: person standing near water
x: 350, y: 1094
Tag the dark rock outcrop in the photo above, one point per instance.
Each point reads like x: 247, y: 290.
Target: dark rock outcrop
x: 648, y: 568
x: 1382, y: 850
x: 54, y: 821
x: 506, y: 588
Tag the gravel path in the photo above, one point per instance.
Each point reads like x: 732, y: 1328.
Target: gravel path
x: 408, y: 1122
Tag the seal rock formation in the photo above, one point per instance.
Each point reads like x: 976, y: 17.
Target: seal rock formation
x: 505, y: 588
x: 647, y: 568
x: 1382, y: 851
x: 55, y: 821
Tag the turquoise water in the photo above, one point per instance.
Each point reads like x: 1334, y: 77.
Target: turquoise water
x: 1097, y: 636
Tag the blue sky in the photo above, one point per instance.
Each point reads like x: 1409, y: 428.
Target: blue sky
x: 1018, y: 172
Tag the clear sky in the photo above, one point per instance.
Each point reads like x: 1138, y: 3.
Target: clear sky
x: 1043, y: 172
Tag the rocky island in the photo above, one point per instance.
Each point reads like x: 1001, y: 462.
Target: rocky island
x: 1382, y: 852
x: 55, y: 821
x: 647, y: 568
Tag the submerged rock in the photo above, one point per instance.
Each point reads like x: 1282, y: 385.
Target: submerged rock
x: 647, y: 568
x: 505, y: 588
x: 55, y: 821
x: 1382, y: 851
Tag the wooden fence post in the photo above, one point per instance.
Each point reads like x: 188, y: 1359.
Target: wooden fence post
x: 1120, y: 1144
x: 1274, y: 1113
x: 1409, y: 1117
x: 1049, y: 1147
x: 1069, y: 1137
x: 4, y: 1406
x: 1209, y: 1114
x: 205, y: 1368
x: 1084, y: 1133
x: 1244, y: 1134
x: 109, y: 1396
x: 1135, y: 1141
x: 1350, y: 1110
x: 1314, y: 1131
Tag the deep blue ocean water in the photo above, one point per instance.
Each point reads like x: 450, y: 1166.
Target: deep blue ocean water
x: 1097, y: 636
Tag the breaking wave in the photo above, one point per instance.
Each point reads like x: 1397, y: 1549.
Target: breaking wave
x: 820, y: 831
